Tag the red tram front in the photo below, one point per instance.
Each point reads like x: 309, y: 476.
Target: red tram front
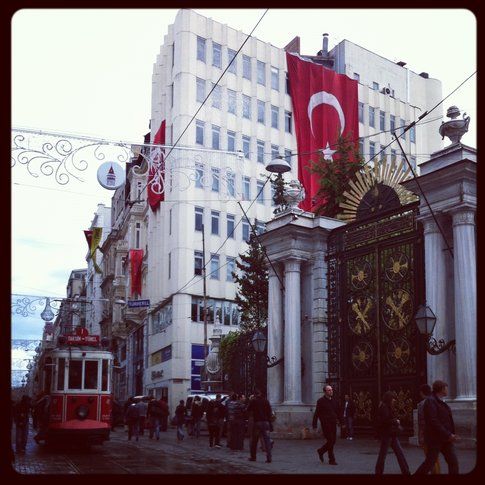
x: 78, y: 377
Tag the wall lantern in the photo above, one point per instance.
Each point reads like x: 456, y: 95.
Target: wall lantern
x: 426, y: 321
x: 259, y: 345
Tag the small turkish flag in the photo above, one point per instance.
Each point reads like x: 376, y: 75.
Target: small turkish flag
x: 82, y: 332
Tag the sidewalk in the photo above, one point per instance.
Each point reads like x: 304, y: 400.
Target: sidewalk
x: 299, y: 456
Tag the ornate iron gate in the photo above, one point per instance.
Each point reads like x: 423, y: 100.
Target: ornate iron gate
x: 375, y: 282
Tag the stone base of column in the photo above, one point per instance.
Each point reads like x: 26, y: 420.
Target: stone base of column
x: 293, y: 421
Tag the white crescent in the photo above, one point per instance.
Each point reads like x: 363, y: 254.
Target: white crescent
x: 322, y: 97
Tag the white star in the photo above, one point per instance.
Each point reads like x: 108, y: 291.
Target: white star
x: 327, y: 153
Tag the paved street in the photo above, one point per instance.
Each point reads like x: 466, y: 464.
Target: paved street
x: 192, y: 456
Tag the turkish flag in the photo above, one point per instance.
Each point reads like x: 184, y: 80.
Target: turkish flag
x: 325, y: 105
x: 136, y: 260
x: 156, y: 172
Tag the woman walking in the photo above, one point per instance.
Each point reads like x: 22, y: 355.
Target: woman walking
x: 180, y: 413
x: 388, y: 428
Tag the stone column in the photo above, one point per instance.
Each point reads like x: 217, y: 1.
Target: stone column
x: 292, y: 369
x: 275, y: 336
x: 465, y: 303
x: 436, y: 283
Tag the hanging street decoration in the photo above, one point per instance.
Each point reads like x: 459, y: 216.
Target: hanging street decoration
x: 111, y: 175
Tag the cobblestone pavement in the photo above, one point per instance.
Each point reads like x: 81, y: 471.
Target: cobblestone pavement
x: 193, y: 456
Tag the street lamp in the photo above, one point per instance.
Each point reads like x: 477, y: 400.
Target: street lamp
x: 426, y: 321
x: 259, y: 345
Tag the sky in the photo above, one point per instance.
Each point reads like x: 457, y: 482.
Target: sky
x: 88, y: 72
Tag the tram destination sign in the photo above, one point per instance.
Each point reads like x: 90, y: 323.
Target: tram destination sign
x: 138, y: 303
x: 88, y: 339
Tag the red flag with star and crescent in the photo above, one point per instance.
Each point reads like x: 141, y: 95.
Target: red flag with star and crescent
x: 325, y: 105
x: 156, y: 174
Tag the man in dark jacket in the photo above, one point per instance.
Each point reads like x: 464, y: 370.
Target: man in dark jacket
x: 259, y: 409
x: 439, y: 431
x: 21, y: 413
x: 348, y: 413
x: 327, y: 411
x: 215, y: 419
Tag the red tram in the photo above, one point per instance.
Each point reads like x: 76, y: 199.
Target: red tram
x: 77, y: 374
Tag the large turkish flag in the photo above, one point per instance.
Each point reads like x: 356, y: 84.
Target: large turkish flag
x: 156, y: 174
x: 325, y: 105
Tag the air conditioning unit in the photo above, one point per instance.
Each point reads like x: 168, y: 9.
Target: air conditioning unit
x: 386, y: 91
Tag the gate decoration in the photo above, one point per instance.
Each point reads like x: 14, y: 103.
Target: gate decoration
x: 375, y: 283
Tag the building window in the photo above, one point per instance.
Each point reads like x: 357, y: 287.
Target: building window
x: 199, y: 174
x: 393, y: 123
x: 287, y: 122
x: 230, y: 226
x: 169, y: 265
x: 382, y: 120
x: 372, y: 150
x: 275, y: 78
x: 230, y: 267
x: 199, y: 218
x: 261, y: 72
x: 361, y: 112
x: 245, y: 231
x: 275, y: 151
x: 215, y: 223
x: 402, y: 125
x: 231, y: 54
x: 216, y: 137
x: 246, y: 67
x: 199, y: 132
x: 231, y: 141
x: 200, y: 49
x: 231, y: 183
x: 260, y: 151
x: 372, y: 120
x: 361, y: 147
x: 216, y: 55
x: 274, y: 116
x: 261, y: 109
x: 412, y: 135
x: 214, y: 267
x: 200, y: 89
x: 375, y: 86
x: 245, y: 145
x: 246, y: 107
x: 215, y: 179
x: 413, y: 163
x: 231, y: 101
x: 137, y: 235
x: 170, y: 222
x: 216, y: 97
x: 260, y: 190
x: 357, y: 76
x: 287, y: 83
x: 171, y: 95
x: 259, y: 227
x: 198, y: 262
x: 247, y: 188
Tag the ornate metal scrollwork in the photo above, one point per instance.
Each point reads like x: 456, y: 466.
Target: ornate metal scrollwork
x: 436, y: 347
x: 273, y: 361
x: 27, y: 306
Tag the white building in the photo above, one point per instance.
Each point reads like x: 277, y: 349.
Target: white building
x: 249, y: 110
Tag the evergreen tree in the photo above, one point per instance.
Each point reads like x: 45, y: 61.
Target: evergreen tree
x: 252, y: 291
x: 279, y: 193
x: 335, y: 175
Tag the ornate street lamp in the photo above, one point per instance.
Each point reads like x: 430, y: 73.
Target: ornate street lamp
x: 259, y: 345
x: 426, y: 321
x: 47, y: 314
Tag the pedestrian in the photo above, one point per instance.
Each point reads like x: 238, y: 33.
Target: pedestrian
x: 197, y: 413
x: 132, y: 419
x: 348, y: 413
x: 42, y: 412
x: 165, y: 413
x: 260, y: 410
x: 116, y: 410
x: 154, y: 415
x: 424, y: 392
x: 215, y: 418
x: 143, y: 410
x: 327, y: 411
x: 439, y: 431
x: 235, y: 418
x: 180, y: 414
x: 21, y: 413
x: 388, y: 427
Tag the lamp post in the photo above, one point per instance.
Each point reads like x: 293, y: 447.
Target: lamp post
x: 259, y: 345
x: 426, y: 321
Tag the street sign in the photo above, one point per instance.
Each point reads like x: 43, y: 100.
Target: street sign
x: 138, y: 303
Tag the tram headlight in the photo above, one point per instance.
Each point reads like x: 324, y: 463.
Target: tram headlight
x: 82, y: 412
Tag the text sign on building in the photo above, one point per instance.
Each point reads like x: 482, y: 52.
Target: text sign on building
x: 157, y: 374
x: 89, y: 339
x: 138, y: 303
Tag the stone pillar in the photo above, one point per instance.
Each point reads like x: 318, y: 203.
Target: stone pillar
x: 275, y: 337
x: 436, y: 292
x: 292, y: 363
x: 465, y: 303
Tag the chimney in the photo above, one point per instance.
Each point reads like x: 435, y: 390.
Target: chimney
x: 325, y: 45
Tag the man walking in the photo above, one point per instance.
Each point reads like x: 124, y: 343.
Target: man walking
x: 425, y: 392
x: 348, y: 413
x: 260, y: 410
x: 439, y: 431
x: 215, y: 420
x: 328, y: 413
x: 21, y: 413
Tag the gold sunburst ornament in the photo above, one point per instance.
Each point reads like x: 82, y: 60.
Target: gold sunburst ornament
x: 365, y: 189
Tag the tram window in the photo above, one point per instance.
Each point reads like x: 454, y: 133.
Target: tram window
x: 60, y: 374
x: 91, y: 374
x: 75, y: 374
x: 104, y: 376
x: 49, y: 368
